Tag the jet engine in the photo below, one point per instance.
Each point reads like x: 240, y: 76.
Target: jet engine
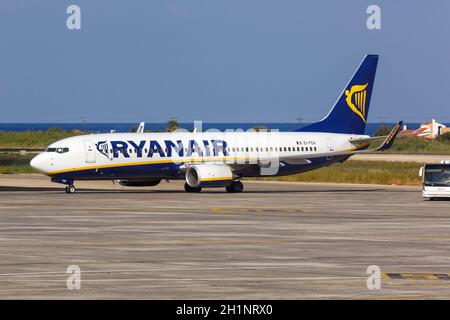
x: 209, y: 175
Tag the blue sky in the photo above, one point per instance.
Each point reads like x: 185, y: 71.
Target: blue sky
x: 218, y: 60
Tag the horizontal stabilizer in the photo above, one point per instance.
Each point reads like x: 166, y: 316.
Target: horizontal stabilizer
x: 368, y: 139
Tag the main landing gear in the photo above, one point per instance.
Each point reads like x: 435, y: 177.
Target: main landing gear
x: 235, y: 187
x: 70, y: 189
x: 188, y: 188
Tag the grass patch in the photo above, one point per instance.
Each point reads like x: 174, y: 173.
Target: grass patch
x: 15, y: 163
x: 417, y: 146
x: 372, y: 172
x: 34, y: 139
x: 41, y: 139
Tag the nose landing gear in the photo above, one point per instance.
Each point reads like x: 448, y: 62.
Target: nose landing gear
x: 70, y: 189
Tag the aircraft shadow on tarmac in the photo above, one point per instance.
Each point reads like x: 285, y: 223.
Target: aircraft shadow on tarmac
x: 216, y: 192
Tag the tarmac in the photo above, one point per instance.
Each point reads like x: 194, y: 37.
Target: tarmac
x: 273, y: 241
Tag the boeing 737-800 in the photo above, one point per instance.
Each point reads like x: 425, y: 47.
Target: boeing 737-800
x: 219, y: 159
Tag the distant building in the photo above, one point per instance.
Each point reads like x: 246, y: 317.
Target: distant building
x: 428, y: 130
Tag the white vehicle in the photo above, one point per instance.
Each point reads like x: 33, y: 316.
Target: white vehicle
x: 436, y: 180
x: 219, y: 159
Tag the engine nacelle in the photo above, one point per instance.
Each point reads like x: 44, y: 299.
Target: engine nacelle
x: 139, y: 182
x: 209, y: 175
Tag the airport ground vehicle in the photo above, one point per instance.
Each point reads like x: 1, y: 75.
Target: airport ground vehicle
x: 436, y: 180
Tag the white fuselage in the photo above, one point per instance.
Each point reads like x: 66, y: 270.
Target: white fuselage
x: 113, y: 155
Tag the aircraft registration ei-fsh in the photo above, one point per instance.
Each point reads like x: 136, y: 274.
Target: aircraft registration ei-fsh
x: 219, y: 159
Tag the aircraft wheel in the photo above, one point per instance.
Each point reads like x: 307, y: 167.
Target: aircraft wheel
x: 70, y: 189
x: 188, y: 188
x: 235, y: 187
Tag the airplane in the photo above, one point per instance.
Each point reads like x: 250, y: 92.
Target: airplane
x: 220, y: 159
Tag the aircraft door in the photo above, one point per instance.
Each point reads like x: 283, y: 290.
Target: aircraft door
x: 330, y: 147
x: 90, y: 151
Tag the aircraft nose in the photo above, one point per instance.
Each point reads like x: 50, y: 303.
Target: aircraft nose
x: 39, y: 163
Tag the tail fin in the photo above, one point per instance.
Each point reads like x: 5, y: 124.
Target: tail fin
x: 349, y: 114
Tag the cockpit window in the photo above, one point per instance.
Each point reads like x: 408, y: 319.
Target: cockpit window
x: 58, y: 150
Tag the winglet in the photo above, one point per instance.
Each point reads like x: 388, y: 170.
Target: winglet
x: 390, y: 138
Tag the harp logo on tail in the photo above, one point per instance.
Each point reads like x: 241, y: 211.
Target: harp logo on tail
x: 356, y: 100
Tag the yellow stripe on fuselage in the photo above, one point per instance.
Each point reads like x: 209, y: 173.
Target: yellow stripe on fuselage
x: 127, y: 164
